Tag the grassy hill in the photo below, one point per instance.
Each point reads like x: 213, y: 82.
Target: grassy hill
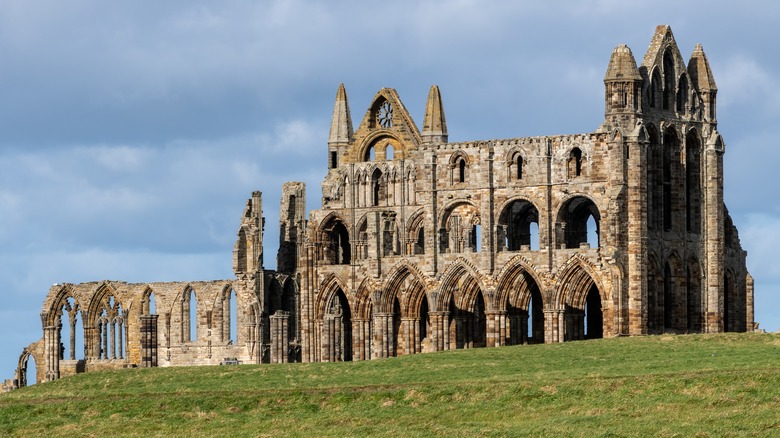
x: 694, y: 385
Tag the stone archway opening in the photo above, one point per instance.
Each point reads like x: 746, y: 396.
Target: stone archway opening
x: 579, y: 223
x: 337, y: 331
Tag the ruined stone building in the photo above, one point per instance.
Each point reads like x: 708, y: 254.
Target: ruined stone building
x: 423, y: 244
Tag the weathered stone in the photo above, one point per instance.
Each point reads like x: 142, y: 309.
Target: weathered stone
x: 425, y: 245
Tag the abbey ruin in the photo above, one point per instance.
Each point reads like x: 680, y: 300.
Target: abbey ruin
x: 425, y: 245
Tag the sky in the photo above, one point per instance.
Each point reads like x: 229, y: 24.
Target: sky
x: 132, y: 133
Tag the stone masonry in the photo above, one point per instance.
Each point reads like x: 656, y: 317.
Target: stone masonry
x: 425, y: 245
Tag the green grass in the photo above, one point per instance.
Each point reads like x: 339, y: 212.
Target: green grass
x: 695, y: 385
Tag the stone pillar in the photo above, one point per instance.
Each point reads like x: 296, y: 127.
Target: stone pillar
x: 72, y: 337
x: 411, y: 341
x: 279, y: 337
x: 362, y: 339
x: 52, y: 352
x: 714, y: 217
x: 149, y: 341
x: 632, y: 317
x: 496, y: 328
x: 383, y: 334
x: 553, y: 326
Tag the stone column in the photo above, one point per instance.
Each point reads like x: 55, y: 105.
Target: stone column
x: 383, y: 334
x: 279, y: 336
x: 553, y: 326
x: 72, y: 336
x: 149, y: 341
x: 52, y: 350
x: 496, y: 328
x: 714, y: 231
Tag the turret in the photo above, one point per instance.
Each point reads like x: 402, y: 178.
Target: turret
x: 622, y: 84
x: 340, y: 128
x: 701, y: 76
x: 434, y: 124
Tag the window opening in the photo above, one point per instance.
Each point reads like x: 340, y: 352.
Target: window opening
x: 193, y: 314
x: 389, y: 153
x: 519, y: 166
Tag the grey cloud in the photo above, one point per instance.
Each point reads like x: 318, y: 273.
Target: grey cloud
x: 131, y: 133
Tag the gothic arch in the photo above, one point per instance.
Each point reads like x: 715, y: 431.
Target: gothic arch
x: 584, y: 300
x: 572, y: 220
x: 406, y: 283
x: 457, y: 282
x: 513, y: 274
x: 21, y: 369
x: 415, y: 232
x: 327, y: 289
x: 109, y: 318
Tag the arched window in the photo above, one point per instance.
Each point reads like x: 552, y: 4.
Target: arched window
x: 148, y: 307
x: 692, y: 183
x: 190, y: 316
x: 71, y: 331
x: 655, y: 89
x: 376, y: 187
x: 682, y: 94
x: 389, y: 152
x: 519, y: 226
x: 669, y: 80
x: 519, y: 167
x: 111, y: 336
x: 670, y: 149
x: 575, y: 163
x: 337, y: 250
x: 574, y: 218
x: 476, y: 238
x: 461, y: 170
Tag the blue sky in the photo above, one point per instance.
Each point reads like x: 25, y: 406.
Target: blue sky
x: 131, y: 133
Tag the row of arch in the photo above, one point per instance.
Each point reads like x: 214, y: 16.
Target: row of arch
x: 677, y: 299
x: 460, y: 230
x: 406, y: 317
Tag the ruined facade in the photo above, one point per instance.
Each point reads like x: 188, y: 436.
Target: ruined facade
x: 426, y: 245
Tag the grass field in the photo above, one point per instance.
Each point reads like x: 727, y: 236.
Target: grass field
x: 693, y: 385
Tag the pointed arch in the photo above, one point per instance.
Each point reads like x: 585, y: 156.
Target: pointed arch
x: 416, y: 233
x: 584, y: 300
x: 108, y: 317
x: 336, y: 313
x: 669, y: 79
x: 519, y: 294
